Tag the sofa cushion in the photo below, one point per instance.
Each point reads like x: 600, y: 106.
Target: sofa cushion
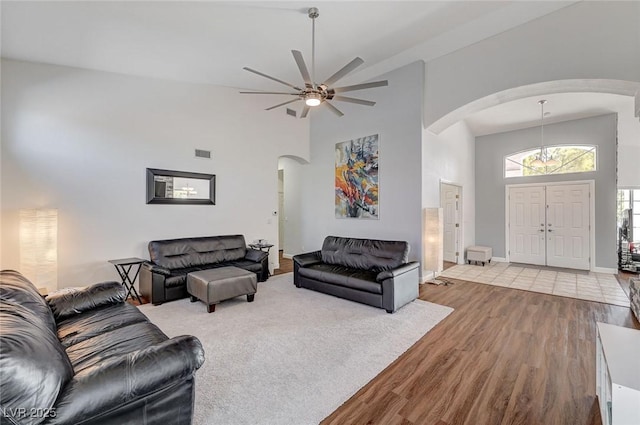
x: 118, y: 341
x: 362, y: 280
x: 86, y: 325
x: 16, y: 288
x: 247, y: 265
x: 178, y: 277
x: 191, y: 252
x: 364, y: 254
x: 33, y: 364
x: 64, y: 304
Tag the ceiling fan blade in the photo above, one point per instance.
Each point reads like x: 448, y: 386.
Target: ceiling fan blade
x: 333, y: 108
x: 268, y: 92
x: 344, y: 71
x: 282, y: 104
x: 354, y: 100
x: 305, y: 111
x: 302, y: 67
x: 272, y: 78
x: 361, y: 86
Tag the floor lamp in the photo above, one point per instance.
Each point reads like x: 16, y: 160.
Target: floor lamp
x: 433, y: 225
x: 39, y: 246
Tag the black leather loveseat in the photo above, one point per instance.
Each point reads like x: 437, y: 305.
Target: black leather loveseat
x: 369, y: 271
x: 164, y: 278
x: 87, y: 357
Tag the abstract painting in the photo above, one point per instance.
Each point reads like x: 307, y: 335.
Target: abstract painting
x: 356, y: 178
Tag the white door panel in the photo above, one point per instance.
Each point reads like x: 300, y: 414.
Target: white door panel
x: 568, y: 226
x: 449, y: 201
x: 526, y: 215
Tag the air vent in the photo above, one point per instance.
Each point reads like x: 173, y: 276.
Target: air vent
x: 200, y: 153
x: 291, y: 112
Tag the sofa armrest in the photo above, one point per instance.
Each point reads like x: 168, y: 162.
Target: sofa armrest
x: 154, y: 268
x: 400, y: 286
x: 308, y: 259
x: 68, y: 303
x: 255, y: 255
x: 387, y: 274
x: 304, y: 260
x: 124, y: 379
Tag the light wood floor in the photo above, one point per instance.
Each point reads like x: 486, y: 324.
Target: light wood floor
x: 504, y: 356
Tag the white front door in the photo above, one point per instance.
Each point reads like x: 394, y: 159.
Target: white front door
x: 450, y: 203
x: 549, y: 225
x: 568, y: 226
x: 527, y: 225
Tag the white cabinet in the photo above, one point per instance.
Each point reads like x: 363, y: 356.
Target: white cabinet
x: 618, y: 374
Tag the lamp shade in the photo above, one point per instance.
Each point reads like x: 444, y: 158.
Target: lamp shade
x: 552, y: 162
x: 433, y: 240
x: 537, y: 163
x: 39, y: 246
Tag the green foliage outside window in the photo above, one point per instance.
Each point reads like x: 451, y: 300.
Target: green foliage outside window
x: 572, y: 160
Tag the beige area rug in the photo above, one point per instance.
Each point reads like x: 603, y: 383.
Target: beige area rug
x: 292, y: 356
x: 600, y: 287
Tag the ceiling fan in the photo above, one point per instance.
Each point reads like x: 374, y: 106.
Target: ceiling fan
x: 315, y: 94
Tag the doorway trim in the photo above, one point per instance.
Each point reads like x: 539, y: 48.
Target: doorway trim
x: 592, y: 221
x: 460, y: 217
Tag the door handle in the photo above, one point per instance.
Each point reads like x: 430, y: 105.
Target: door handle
x: 541, y: 230
x: 550, y: 230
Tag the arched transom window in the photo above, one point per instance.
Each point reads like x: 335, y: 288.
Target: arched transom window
x: 551, y: 160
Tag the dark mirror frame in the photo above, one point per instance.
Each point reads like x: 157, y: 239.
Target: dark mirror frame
x: 153, y: 199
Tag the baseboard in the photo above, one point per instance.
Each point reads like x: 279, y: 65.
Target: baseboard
x: 499, y: 259
x: 289, y: 256
x: 606, y: 270
x: 428, y: 276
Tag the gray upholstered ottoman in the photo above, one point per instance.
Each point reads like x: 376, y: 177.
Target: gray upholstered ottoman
x: 214, y: 285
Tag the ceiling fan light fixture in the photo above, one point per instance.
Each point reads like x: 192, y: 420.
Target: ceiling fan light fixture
x: 314, y: 93
x: 313, y: 99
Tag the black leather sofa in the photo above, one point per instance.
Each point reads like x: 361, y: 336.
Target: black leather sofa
x: 164, y: 278
x: 368, y: 271
x: 87, y: 357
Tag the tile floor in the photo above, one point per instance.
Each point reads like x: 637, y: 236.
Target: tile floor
x: 598, y: 287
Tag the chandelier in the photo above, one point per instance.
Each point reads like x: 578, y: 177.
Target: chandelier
x: 544, y: 158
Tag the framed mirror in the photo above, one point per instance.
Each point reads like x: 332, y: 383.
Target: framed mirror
x: 180, y: 187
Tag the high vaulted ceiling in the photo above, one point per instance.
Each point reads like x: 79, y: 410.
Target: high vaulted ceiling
x: 211, y: 41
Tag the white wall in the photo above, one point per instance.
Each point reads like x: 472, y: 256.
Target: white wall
x: 450, y: 157
x: 397, y: 119
x: 628, y: 149
x: 591, y: 40
x: 80, y: 141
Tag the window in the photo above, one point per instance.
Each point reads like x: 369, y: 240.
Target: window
x: 569, y: 158
x: 629, y: 204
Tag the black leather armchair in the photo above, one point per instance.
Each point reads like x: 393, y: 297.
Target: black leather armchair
x: 164, y: 278
x: 87, y: 357
x: 368, y: 271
